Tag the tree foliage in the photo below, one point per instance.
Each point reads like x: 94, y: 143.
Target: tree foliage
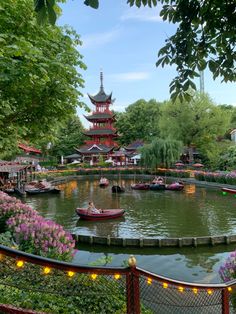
x: 139, y: 121
x: 205, y: 38
x: 161, y: 152
x: 197, y: 123
x: 68, y: 137
x: 39, y: 82
x: 228, y: 158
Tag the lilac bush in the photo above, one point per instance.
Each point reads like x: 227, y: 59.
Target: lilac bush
x: 228, y: 270
x: 226, y: 178
x: 33, y: 233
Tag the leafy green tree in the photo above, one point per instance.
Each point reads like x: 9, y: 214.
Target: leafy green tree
x: 205, y: 37
x: 39, y: 81
x: 139, y: 121
x: 69, y: 136
x: 228, y: 159
x: 161, y: 152
x: 198, y: 122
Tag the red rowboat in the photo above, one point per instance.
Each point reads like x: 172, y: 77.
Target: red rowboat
x: 140, y: 186
x: 231, y: 191
x: 175, y: 186
x: 106, y: 214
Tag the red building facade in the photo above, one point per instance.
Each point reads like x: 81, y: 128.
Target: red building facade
x: 102, y: 133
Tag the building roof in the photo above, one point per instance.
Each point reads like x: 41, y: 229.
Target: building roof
x: 29, y: 149
x: 100, y: 132
x: 135, y: 145
x: 12, y: 168
x: 100, y: 116
x: 94, y: 148
x: 101, y: 96
x: 73, y: 156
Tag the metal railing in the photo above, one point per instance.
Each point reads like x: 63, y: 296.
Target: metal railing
x: 130, y: 289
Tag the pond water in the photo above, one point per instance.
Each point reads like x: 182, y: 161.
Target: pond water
x: 192, y: 212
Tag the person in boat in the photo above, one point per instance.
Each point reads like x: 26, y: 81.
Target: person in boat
x: 103, y: 180
x: 158, y: 180
x: 92, y: 209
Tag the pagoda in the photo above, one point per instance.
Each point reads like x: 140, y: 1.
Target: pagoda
x: 102, y: 132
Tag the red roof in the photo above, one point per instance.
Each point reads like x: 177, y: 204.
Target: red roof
x: 29, y: 149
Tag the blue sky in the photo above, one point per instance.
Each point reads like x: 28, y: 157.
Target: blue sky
x: 124, y: 43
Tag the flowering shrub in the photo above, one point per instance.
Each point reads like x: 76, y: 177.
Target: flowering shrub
x: 10, y: 208
x: 226, y: 178
x: 33, y: 233
x: 228, y: 270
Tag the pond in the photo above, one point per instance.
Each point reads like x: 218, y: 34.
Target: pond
x: 192, y: 212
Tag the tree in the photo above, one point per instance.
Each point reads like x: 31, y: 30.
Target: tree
x: 69, y: 137
x: 162, y: 152
x: 228, y: 159
x: 139, y: 121
x: 39, y: 82
x: 205, y: 37
x: 198, y: 122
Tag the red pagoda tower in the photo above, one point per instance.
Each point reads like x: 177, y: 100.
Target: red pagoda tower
x: 102, y: 131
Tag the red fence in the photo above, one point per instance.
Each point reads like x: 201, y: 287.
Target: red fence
x: 129, y: 290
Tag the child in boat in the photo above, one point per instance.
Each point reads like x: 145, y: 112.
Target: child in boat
x: 93, y: 209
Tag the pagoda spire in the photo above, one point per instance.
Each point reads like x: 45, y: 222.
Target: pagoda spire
x: 101, y: 79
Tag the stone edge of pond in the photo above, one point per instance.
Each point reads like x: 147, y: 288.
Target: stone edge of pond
x: 155, y: 242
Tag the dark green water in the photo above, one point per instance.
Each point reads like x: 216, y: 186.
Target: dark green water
x: 192, y: 212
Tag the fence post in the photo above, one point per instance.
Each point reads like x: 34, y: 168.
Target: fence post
x: 225, y: 301
x: 132, y: 288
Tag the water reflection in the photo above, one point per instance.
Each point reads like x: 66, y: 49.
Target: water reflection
x: 188, y: 264
x: 191, y: 212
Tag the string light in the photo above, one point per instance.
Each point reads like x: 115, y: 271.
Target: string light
x: 165, y: 285
x: 70, y: 273
x: 46, y: 270
x: 117, y: 276
x: 195, y: 290
x: 230, y: 289
x: 149, y: 281
x: 20, y: 263
x: 181, y: 289
x: 94, y: 276
x: 209, y: 291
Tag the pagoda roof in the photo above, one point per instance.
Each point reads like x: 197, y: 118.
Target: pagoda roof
x: 101, y: 115
x: 101, y: 96
x: 100, y: 132
x: 135, y: 145
x: 94, y: 148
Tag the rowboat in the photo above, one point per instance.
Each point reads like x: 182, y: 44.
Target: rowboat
x: 40, y: 187
x: 105, y: 214
x: 231, y: 191
x: 103, y: 182
x: 117, y: 189
x: 175, y: 186
x: 41, y: 191
x: 140, y: 186
x: 157, y: 187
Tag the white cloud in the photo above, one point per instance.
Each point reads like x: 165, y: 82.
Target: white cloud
x: 99, y: 39
x: 130, y: 76
x: 142, y: 14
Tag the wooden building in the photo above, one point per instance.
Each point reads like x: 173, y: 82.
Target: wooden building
x: 14, y: 176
